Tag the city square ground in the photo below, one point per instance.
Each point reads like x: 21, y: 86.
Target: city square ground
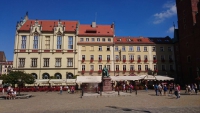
x: 143, y: 102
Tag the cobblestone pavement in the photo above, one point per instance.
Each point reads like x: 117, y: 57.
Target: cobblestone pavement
x: 143, y: 102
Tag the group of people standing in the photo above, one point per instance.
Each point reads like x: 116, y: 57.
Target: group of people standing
x: 192, y: 88
x: 11, y: 93
x: 69, y: 89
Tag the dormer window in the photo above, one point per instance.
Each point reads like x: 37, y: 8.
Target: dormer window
x: 98, y: 39
x: 139, y: 40
x: 118, y: 39
x: 129, y: 40
x: 87, y: 39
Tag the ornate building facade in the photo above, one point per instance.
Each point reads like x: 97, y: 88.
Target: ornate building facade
x: 64, y: 49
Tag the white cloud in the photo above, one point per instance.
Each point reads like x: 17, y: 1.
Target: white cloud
x: 171, y: 29
x: 169, y: 12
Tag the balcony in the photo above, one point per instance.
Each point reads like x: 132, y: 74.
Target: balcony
x: 83, y: 60
x: 117, y: 70
x: 146, y: 60
x: 139, y: 71
x: 131, y: 60
x: 91, y: 71
x: 91, y: 60
x: 108, y: 59
x: 172, y: 70
x: 139, y: 60
x: 170, y: 60
x: 117, y: 60
x: 124, y: 60
x: 163, y: 60
x: 124, y: 70
x: 154, y: 61
x: 83, y: 71
x: 146, y: 70
x: 155, y: 70
x: 100, y: 59
x: 99, y: 71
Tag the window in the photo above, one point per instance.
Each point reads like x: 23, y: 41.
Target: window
x: 81, y: 39
x: 59, y: 42
x: 117, y: 67
x: 100, y: 48
x: 70, y: 42
x: 108, y: 67
x: 161, y: 48
x: 83, y: 57
x: 117, y: 57
x: 93, y: 39
x: 139, y: 68
x: 70, y: 62
x: 124, y: 67
x: 21, y: 62
x: 155, y: 67
x: 91, y: 67
x: 170, y: 57
x: 189, y: 59
x: 145, y: 48
x: 163, y: 67
x: 108, y: 57
x: 47, y: 42
x: 92, y: 57
x: 23, y: 45
x: 100, y: 67
x: 58, y: 62
x: 108, y: 48
x: 83, y: 67
x: 124, y: 57
x: 87, y: 39
x: 171, y: 67
x: 138, y: 48
x: 130, y: 48
x: 103, y: 39
x: 154, y: 57
x: 33, y: 62
x: 139, y: 58
x: 100, y: 57
x: 116, y: 48
x: 146, y: 67
x: 145, y: 57
x: 109, y: 40
x: 169, y: 49
x: 153, y: 48
x: 123, y: 48
x: 176, y: 48
x: 131, y: 57
x: 131, y: 67
x: 98, y: 39
x: 46, y: 62
x: 162, y: 57
x: 35, y: 42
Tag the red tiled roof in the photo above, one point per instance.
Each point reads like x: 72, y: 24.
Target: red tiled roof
x: 95, y: 43
x: 132, y: 40
x: 99, y: 30
x: 48, y: 25
x: 7, y: 63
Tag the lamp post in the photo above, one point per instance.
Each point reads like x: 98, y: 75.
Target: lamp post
x: 19, y: 83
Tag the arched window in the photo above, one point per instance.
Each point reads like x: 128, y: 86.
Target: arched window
x: 69, y: 76
x: 45, y: 76
x: 58, y: 76
x: 34, y: 75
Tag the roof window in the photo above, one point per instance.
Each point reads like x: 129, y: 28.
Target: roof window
x: 129, y: 40
x: 91, y: 31
x: 119, y: 39
x: 139, y: 40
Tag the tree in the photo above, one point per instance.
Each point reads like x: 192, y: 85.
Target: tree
x: 18, y: 77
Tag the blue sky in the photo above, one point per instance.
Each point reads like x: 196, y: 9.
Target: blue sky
x: 152, y: 18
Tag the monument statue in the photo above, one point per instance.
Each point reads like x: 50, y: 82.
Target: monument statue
x: 105, y: 72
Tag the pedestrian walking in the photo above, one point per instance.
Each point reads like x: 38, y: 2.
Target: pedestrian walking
x: 61, y: 89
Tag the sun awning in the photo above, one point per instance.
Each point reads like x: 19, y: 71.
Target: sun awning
x: 122, y: 78
x: 57, y: 81
x: 42, y: 81
x: 71, y: 82
x: 162, y: 78
x: 1, y: 81
x: 88, y: 79
x: 148, y: 77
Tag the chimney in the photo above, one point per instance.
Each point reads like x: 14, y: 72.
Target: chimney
x: 93, y: 24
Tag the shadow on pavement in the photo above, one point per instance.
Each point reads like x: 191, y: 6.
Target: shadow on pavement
x: 127, y: 109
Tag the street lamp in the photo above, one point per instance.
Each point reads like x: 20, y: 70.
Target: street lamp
x: 19, y: 80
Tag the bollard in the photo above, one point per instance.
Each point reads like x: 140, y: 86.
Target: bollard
x: 136, y: 92
x: 82, y: 94
x: 118, y: 92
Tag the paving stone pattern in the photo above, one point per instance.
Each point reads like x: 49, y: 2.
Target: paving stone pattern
x: 143, y: 102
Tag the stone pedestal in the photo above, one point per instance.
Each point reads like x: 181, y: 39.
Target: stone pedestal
x: 107, y: 86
